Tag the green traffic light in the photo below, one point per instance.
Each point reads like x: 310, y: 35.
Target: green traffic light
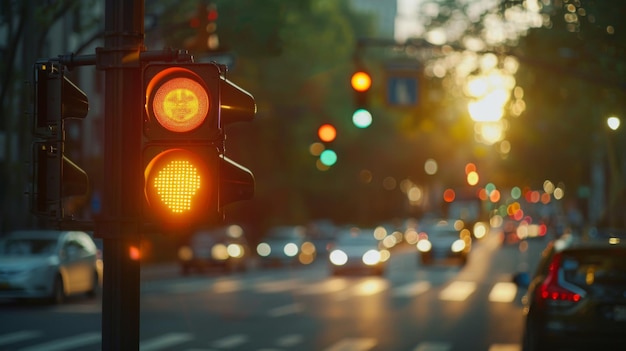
x: 328, y: 157
x: 362, y: 118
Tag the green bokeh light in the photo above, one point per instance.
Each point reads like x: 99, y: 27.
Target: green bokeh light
x: 328, y: 157
x: 362, y: 118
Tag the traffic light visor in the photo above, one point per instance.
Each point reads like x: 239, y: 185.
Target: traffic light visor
x: 178, y: 99
x: 177, y: 184
x: 361, y: 81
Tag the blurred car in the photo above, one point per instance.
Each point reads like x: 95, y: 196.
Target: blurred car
x: 322, y: 234
x: 444, y: 239
x: 48, y: 264
x: 224, y: 248
x: 286, y: 245
x: 358, y: 250
x: 576, y: 299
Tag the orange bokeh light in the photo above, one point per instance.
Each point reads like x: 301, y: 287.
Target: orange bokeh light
x: 361, y: 81
x: 449, y: 195
x: 327, y: 133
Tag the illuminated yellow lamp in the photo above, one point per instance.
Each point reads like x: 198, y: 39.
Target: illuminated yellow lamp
x: 472, y: 178
x: 174, y: 184
x: 361, y: 81
x: 180, y: 104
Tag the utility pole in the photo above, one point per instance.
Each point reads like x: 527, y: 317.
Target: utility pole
x: 120, y: 224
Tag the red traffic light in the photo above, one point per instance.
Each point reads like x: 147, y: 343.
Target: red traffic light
x: 180, y: 101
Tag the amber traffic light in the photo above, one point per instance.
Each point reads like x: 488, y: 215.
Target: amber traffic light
x: 361, y: 81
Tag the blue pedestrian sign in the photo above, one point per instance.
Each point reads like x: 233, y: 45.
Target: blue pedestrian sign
x: 402, y: 91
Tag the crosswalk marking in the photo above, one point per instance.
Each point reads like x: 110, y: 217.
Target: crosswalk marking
x: 289, y: 340
x: 505, y: 347
x: 433, y: 346
x: 457, y: 291
x: 164, y: 341
x: 328, y: 286
x: 227, y: 286
x: 67, y: 343
x: 230, y: 341
x: 275, y: 286
x: 284, y: 310
x: 174, y: 340
x: 353, y: 344
x: 18, y: 336
x: 503, y: 292
x: 412, y: 289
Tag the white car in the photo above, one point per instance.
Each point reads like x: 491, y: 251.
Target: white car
x: 358, y: 249
x: 48, y: 264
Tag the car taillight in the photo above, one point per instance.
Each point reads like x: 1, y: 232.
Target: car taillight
x: 553, y: 290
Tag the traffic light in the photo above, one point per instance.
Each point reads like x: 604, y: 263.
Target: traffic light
x: 361, y: 82
x: 187, y: 178
x: 204, y: 23
x: 54, y: 176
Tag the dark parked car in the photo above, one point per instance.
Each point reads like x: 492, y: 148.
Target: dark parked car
x: 576, y: 299
x: 224, y: 248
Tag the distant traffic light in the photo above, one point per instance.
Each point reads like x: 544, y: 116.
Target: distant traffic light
x: 187, y: 177
x: 327, y: 133
x: 361, y: 82
x: 204, y: 24
x: 54, y: 176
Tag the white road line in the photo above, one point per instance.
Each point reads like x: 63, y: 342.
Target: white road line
x: 457, y: 291
x: 230, y: 341
x: 164, y: 341
x: 67, y: 343
x: 503, y: 292
x: 433, y: 346
x: 284, y: 310
x: 370, y: 287
x: 353, y: 344
x: 412, y: 289
x: 11, y: 338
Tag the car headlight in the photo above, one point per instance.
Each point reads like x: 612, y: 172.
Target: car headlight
x: 480, y: 230
x: 371, y: 257
x: 424, y: 245
x: 263, y: 249
x: 458, y: 246
x: 219, y: 252
x: 290, y: 249
x: 338, y: 257
x: 235, y: 250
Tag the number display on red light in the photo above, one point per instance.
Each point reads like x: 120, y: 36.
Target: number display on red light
x: 180, y: 104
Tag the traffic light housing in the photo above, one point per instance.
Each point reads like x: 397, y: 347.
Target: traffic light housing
x: 361, y: 82
x: 187, y: 178
x: 54, y: 176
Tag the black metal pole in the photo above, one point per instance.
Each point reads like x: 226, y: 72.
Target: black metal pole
x: 120, y: 224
